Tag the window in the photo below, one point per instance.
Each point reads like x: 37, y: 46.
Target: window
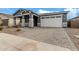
x: 58, y: 16
x: 64, y: 18
x: 47, y: 17
x: 26, y: 18
x: 53, y: 17
x: 42, y: 17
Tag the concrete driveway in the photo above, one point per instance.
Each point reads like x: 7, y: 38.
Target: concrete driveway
x: 10, y: 42
x: 53, y: 36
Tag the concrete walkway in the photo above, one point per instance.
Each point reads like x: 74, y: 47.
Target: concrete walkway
x: 15, y: 43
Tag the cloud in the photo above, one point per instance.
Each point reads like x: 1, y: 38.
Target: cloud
x: 45, y: 11
x: 73, y: 12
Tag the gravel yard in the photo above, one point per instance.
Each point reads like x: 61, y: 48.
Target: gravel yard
x: 11, y: 31
x: 71, y: 32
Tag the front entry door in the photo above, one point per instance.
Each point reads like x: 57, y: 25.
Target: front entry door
x: 35, y: 20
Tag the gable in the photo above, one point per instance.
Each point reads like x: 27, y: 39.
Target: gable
x: 21, y: 12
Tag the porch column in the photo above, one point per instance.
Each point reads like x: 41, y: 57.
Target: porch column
x: 14, y: 21
x: 23, y: 21
x: 20, y: 21
x: 31, y: 21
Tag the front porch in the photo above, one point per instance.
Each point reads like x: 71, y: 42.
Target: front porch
x: 26, y: 20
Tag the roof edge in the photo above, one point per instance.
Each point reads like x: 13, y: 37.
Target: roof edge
x: 73, y: 18
x: 64, y: 12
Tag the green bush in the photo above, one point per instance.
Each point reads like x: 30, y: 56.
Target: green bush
x: 18, y: 30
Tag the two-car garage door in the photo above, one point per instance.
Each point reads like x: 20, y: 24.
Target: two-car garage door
x: 51, y: 22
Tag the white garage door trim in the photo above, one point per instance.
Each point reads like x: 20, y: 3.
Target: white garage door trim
x: 51, y: 22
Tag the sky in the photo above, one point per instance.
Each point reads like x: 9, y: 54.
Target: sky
x: 36, y: 10
x: 73, y: 12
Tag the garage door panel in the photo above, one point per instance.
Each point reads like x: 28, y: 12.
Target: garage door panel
x: 56, y: 22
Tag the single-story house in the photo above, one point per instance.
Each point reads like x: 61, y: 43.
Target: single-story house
x: 31, y: 19
x: 27, y: 18
x: 5, y: 19
x: 74, y: 22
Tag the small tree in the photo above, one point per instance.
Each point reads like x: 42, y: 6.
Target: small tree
x: 18, y: 29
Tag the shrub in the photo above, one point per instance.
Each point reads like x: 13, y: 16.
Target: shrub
x: 1, y: 28
x: 1, y: 24
x: 18, y: 30
x: 15, y: 26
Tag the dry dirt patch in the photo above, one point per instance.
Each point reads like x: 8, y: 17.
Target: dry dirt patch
x: 13, y: 31
x: 72, y: 32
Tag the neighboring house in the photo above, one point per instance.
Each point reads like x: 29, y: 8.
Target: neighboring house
x: 6, y: 19
x: 31, y: 19
x: 27, y: 18
x: 74, y: 22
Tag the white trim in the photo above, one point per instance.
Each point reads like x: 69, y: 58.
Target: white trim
x: 21, y: 15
